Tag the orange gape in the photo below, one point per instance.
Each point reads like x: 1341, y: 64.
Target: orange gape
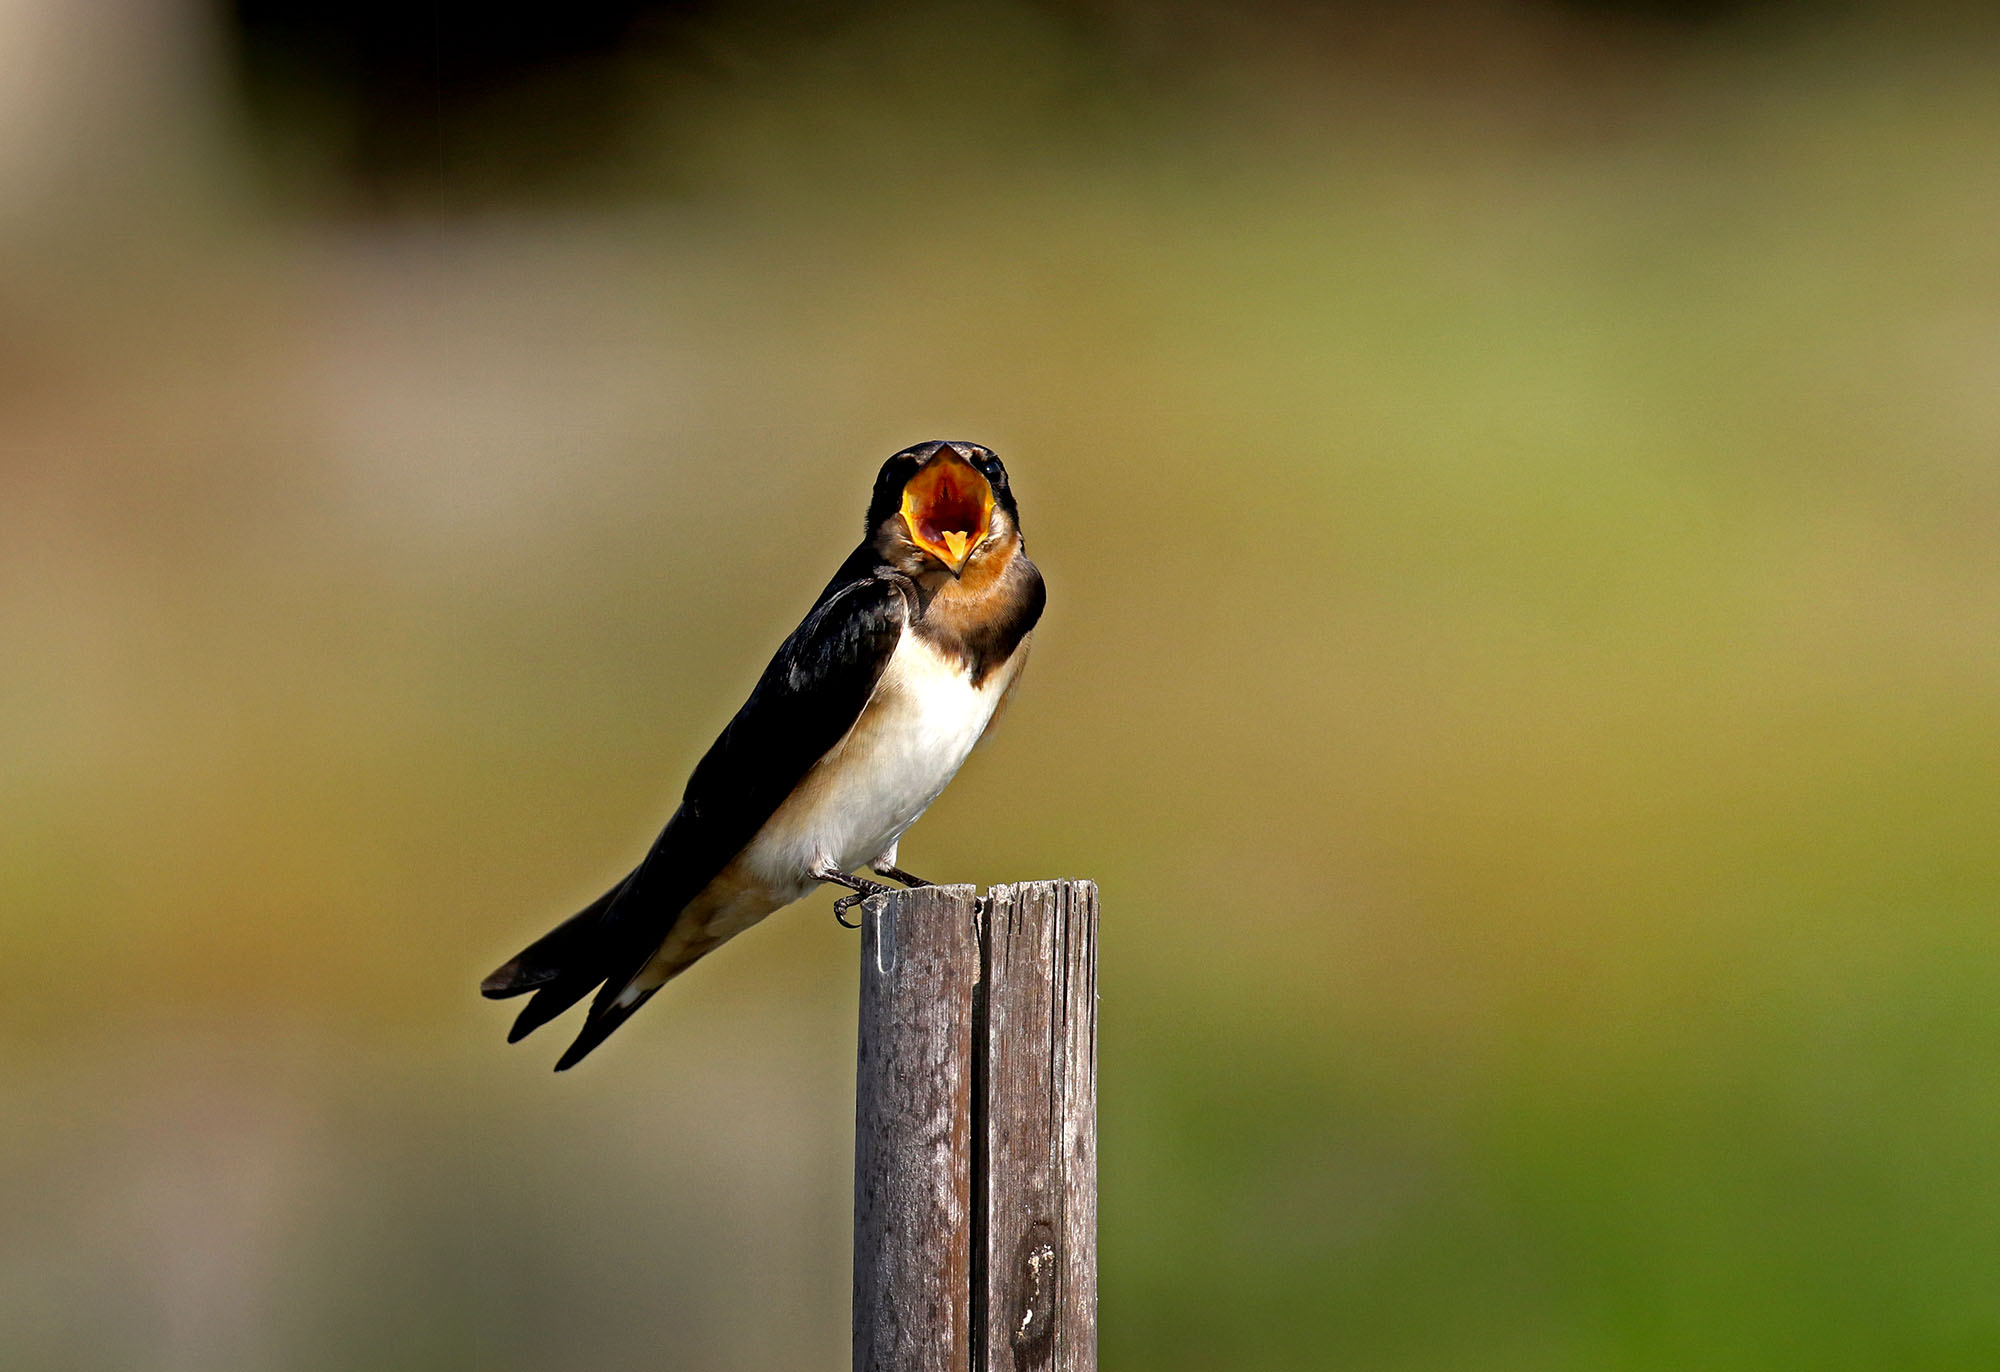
x: 948, y: 507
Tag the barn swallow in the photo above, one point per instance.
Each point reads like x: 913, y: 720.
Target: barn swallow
x: 863, y: 717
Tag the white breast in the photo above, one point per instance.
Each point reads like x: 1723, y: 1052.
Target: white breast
x: 912, y: 738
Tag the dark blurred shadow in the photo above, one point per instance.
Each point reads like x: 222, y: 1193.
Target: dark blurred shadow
x: 390, y: 100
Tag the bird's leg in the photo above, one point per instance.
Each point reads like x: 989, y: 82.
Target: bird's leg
x: 826, y: 871
x: 885, y: 866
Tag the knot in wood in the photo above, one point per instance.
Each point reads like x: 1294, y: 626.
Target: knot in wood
x: 1036, y: 1317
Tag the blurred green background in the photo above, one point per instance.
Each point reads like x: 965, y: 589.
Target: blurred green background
x: 1518, y: 485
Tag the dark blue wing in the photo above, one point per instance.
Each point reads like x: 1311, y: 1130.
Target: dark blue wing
x: 805, y: 702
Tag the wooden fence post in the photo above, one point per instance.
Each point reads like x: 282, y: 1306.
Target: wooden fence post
x: 913, y: 1132
x: 975, y: 1183
x: 1038, y: 1295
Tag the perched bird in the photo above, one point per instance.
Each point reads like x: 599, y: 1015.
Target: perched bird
x: 866, y: 713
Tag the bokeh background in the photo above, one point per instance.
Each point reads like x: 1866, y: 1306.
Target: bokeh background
x: 1518, y: 483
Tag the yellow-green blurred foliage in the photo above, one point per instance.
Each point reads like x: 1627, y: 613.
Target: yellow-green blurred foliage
x: 1518, y: 490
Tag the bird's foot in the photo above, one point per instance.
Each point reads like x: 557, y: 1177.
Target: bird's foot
x: 862, y: 890
x: 861, y: 893
x: 895, y: 873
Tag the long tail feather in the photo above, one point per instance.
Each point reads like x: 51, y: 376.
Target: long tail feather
x: 552, y: 955
x: 547, y: 1003
x: 606, y: 1015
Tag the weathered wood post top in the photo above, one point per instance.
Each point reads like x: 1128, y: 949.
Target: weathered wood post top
x: 975, y: 1158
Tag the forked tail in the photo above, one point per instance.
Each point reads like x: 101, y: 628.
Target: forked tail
x: 591, y: 948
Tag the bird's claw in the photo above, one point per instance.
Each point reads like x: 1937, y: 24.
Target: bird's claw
x: 862, y: 889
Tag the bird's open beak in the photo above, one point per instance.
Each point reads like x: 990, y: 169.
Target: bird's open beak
x: 948, y: 508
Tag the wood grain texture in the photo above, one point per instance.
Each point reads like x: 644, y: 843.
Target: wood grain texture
x: 1037, y: 1311
x: 913, y: 1229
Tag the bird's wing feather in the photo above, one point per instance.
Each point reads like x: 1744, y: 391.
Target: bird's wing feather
x: 808, y: 698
